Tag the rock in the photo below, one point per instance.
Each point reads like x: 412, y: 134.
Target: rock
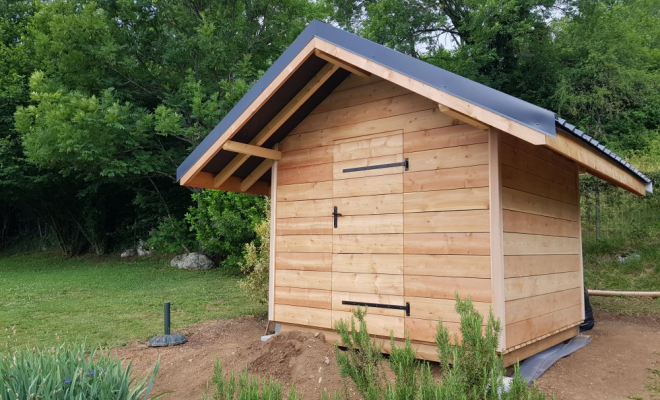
x: 624, y: 258
x: 327, y: 361
x: 141, y: 251
x: 193, y: 261
x: 127, y: 253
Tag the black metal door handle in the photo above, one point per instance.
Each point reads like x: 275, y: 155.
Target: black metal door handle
x: 336, y: 214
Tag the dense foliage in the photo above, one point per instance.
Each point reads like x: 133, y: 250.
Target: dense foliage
x: 101, y: 100
x: 69, y: 373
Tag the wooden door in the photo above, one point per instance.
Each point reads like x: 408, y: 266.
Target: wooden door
x: 367, y: 263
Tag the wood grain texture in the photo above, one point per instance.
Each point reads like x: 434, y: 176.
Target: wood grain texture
x: 370, y: 205
x: 524, y: 181
x: 353, y: 81
x: 446, y: 287
x: 447, y: 243
x: 434, y: 309
x: 339, y: 168
x: 446, y: 200
x: 302, y: 279
x: 359, y: 95
x: 530, y: 307
x: 303, y: 297
x: 424, y: 119
x: 306, y: 174
x: 424, y: 329
x: 305, y: 191
x: 338, y: 297
x: 524, y: 352
x: 518, y: 288
x: 376, y: 145
x: 447, y: 221
x: 304, y: 261
x: 368, y: 263
x: 369, y: 224
x: 528, y: 265
x: 304, y: 244
x: 308, y: 316
x: 305, y: 226
x: 368, y: 244
x: 367, y: 186
x: 447, y: 265
x: 304, y: 208
x: 539, y: 152
x: 523, y: 331
x: 445, y: 179
x: 451, y: 157
x: 384, y: 108
x: 439, y: 138
x: 516, y: 200
x: 516, y: 244
x: 525, y: 161
x: 306, y: 157
x: 518, y: 222
x: 381, y: 325
x: 367, y: 283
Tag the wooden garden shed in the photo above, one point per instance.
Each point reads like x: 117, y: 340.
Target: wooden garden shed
x: 396, y: 184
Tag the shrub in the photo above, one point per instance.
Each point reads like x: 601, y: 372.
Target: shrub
x: 69, y: 372
x: 362, y: 360
x: 223, y: 223
x: 476, y: 371
x: 257, y: 260
x: 171, y: 236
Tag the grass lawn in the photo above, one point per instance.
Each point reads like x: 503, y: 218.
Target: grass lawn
x: 603, y: 271
x: 48, y: 298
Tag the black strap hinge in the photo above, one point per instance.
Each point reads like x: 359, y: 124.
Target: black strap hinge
x: 405, y: 308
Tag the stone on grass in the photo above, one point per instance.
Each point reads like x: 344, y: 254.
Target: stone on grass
x: 141, y: 251
x: 193, y: 261
x: 127, y: 253
x: 624, y: 258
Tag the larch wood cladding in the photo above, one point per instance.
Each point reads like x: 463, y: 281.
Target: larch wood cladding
x: 542, y: 249
x: 415, y: 236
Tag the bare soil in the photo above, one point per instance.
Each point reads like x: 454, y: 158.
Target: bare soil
x: 615, y: 365
x: 290, y: 358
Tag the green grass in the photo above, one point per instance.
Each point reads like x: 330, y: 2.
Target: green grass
x: 603, y: 271
x: 47, y: 299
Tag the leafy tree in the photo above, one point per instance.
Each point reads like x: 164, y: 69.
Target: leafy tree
x: 610, y: 83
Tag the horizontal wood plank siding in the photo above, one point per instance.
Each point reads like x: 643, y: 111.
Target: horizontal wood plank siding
x: 542, y: 249
x: 419, y: 235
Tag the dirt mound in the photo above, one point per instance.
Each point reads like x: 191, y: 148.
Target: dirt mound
x: 304, y: 360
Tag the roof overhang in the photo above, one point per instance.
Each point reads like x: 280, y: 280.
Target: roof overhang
x: 238, y: 153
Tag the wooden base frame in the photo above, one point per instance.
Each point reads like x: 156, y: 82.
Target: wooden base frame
x: 428, y: 351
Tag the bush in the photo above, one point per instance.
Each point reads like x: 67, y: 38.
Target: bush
x: 171, y: 236
x: 257, y: 260
x: 223, y: 223
x: 476, y: 371
x: 67, y: 373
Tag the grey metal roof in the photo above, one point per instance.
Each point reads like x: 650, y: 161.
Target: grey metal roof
x: 510, y: 107
x: 571, y: 129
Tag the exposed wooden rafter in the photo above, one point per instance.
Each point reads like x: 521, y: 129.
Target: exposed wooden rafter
x: 292, y: 106
x: 251, y: 150
x: 256, y: 174
x: 461, y: 117
x: 334, y: 60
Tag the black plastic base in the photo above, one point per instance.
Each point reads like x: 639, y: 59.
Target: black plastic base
x: 167, y: 340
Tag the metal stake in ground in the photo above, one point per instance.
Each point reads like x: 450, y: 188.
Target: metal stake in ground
x: 167, y: 339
